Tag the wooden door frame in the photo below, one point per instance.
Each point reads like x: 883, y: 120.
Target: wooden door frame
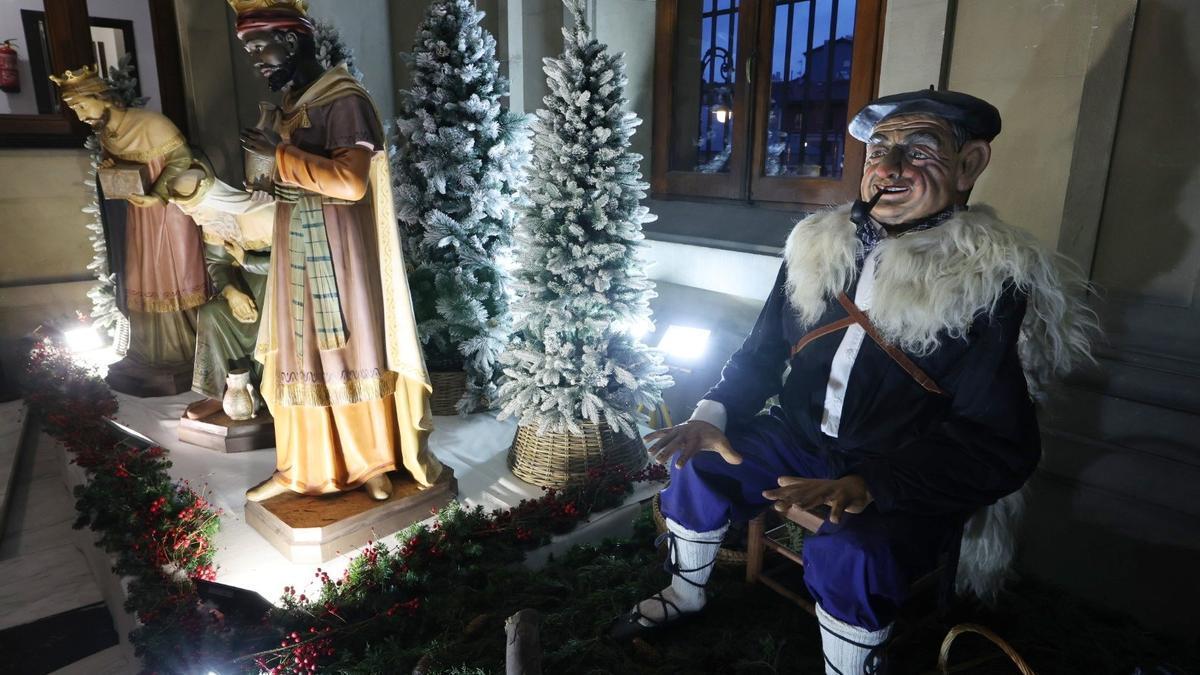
x: 70, y: 48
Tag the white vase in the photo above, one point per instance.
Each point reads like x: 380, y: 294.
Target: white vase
x: 239, y: 396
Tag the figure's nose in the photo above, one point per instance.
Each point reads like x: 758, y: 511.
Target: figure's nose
x: 891, y: 165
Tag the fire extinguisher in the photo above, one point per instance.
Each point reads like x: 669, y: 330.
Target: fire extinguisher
x: 10, y: 78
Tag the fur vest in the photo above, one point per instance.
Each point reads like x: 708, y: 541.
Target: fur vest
x: 930, y: 286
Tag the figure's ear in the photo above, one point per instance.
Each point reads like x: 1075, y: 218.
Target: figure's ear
x: 292, y: 41
x: 972, y: 160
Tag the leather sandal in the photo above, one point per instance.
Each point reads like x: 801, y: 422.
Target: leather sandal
x: 629, y: 626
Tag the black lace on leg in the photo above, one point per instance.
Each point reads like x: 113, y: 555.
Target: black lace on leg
x: 671, y: 564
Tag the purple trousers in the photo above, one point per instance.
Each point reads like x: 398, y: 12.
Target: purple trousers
x: 859, y: 571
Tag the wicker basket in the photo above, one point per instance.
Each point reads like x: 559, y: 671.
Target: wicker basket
x: 563, y: 460
x: 448, y: 388
x: 725, y: 556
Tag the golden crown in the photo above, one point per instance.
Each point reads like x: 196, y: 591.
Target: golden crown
x: 80, y: 82
x: 244, y: 6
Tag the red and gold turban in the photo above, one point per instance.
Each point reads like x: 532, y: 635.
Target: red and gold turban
x: 271, y: 15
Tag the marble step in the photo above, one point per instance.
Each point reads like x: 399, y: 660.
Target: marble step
x: 11, y: 416
x: 57, y: 641
x: 39, y: 585
x: 111, y: 661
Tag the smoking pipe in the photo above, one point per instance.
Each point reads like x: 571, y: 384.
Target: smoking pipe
x: 861, y: 210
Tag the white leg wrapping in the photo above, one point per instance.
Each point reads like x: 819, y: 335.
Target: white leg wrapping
x: 847, y: 647
x: 692, y: 554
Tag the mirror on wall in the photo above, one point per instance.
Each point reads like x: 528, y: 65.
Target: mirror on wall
x: 43, y: 37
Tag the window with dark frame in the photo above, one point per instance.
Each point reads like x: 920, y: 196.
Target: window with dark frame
x: 752, y: 97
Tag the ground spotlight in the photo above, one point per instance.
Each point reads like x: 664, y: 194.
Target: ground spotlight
x: 82, y: 339
x: 685, y: 342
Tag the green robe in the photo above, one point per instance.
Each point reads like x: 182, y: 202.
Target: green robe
x: 222, y: 342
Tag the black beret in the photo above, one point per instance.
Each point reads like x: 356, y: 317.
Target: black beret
x: 977, y: 116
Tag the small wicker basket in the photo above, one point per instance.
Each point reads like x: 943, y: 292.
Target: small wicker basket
x: 563, y: 460
x: 448, y: 388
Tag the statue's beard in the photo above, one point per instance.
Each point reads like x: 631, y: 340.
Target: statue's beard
x: 101, y: 121
x: 281, y: 77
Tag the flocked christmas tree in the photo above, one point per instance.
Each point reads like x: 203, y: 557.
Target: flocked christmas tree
x: 332, y: 49
x: 458, y: 162
x: 581, y: 287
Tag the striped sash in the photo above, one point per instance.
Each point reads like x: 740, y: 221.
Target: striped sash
x: 311, y: 265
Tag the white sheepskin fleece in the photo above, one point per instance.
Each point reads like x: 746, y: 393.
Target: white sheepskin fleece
x: 931, y: 285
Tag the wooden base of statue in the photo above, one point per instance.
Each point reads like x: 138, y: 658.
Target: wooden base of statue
x: 218, y: 432
x: 145, y: 381
x: 317, y: 529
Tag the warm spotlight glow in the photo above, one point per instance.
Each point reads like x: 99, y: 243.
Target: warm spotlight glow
x: 82, y: 339
x: 722, y: 113
x: 685, y: 342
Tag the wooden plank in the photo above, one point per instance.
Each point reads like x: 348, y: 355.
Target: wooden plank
x: 804, y: 603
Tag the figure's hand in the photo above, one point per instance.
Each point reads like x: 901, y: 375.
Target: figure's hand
x: 260, y: 198
x: 236, y: 252
x: 848, y: 494
x: 108, y: 163
x: 261, y: 141
x: 145, y: 201
x: 687, y: 440
x: 242, y: 305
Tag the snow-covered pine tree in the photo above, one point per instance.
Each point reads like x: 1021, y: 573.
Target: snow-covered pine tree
x: 458, y: 161
x: 105, y: 315
x: 332, y: 49
x: 580, y: 280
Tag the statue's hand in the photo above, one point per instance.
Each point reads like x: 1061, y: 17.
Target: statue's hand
x: 237, y: 252
x: 261, y: 199
x: 689, y: 439
x: 242, y: 305
x: 108, y: 163
x: 145, y: 201
x: 848, y: 494
x: 260, y: 141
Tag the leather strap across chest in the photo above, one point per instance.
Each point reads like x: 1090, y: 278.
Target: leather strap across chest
x: 857, y: 316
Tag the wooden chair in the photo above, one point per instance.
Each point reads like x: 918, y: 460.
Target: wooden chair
x: 759, y: 540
